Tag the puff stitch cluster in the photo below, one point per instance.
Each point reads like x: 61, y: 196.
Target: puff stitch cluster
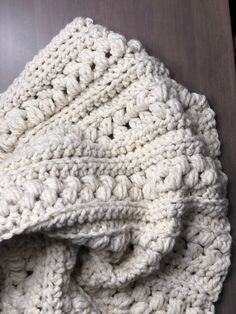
x: 112, y: 196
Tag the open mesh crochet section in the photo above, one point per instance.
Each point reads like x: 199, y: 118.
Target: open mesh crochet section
x: 112, y: 197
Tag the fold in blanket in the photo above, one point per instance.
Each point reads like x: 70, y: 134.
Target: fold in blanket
x: 112, y: 196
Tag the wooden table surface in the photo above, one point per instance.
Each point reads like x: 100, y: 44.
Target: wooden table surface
x: 192, y: 37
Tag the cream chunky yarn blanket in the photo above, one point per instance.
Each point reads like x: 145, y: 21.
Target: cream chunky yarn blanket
x: 112, y: 196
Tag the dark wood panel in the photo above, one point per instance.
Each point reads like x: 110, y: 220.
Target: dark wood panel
x: 192, y: 37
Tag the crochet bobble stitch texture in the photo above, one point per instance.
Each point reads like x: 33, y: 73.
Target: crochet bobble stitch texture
x: 112, y: 197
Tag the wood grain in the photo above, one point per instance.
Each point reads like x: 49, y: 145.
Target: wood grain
x: 192, y: 37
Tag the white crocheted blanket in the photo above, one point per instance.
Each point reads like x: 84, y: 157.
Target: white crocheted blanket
x: 112, y: 196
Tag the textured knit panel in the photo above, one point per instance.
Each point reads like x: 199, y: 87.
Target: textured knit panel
x: 112, y: 196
